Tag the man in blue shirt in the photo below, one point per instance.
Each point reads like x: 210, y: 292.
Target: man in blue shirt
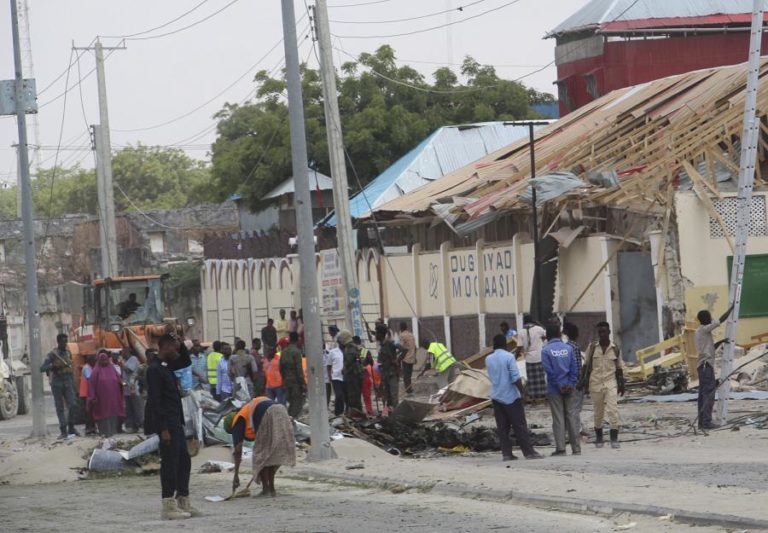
x: 506, y: 396
x: 562, y: 370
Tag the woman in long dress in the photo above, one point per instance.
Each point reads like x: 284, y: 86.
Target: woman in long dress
x: 105, y: 396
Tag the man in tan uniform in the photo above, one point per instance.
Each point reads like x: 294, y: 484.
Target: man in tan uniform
x: 407, y: 355
x: 603, y: 378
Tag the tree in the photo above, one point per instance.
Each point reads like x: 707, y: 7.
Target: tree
x: 386, y: 110
x: 145, y: 177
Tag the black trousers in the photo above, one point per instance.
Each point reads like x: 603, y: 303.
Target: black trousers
x: 512, y: 416
x: 707, y: 389
x: 63, y: 390
x: 338, y: 397
x: 175, y: 465
x: 328, y: 389
x: 407, y: 376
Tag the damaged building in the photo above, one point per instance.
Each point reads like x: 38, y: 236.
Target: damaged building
x: 636, y: 203
x: 69, y: 256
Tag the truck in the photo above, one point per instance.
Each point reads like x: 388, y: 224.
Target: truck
x: 122, y: 312
x: 14, y: 372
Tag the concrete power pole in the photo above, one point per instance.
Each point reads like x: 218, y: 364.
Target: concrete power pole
x: 103, y: 147
x: 30, y: 259
x: 104, y: 154
x: 318, y: 412
x: 344, y: 233
x: 749, y: 140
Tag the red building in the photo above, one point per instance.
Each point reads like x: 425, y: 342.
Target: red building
x: 610, y: 44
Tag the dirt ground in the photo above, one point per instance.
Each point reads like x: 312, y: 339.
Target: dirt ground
x: 660, y: 463
x: 132, y: 504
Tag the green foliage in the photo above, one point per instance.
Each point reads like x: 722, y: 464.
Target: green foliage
x: 381, y: 119
x: 152, y: 177
x: 185, y: 277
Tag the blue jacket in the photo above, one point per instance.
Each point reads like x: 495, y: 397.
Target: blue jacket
x: 560, y: 364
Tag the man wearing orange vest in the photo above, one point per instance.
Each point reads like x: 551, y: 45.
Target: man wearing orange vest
x: 243, y: 425
x: 275, y: 390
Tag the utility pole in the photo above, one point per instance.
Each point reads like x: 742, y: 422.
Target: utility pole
x: 344, y: 233
x: 25, y: 101
x: 749, y: 139
x: 103, y: 147
x: 538, y: 298
x: 310, y: 303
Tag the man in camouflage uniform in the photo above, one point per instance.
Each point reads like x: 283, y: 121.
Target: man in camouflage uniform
x: 58, y: 363
x: 293, y: 375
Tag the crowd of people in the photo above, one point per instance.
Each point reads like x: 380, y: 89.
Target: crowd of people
x: 271, y: 379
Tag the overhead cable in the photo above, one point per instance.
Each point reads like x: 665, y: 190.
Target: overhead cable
x: 409, y: 19
x: 183, y: 28
x: 424, y: 30
x: 201, y: 4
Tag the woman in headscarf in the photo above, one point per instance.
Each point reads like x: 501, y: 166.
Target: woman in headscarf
x: 105, y: 395
x: 269, y: 426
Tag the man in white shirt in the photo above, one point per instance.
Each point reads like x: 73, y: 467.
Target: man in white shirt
x: 530, y: 341
x: 334, y: 371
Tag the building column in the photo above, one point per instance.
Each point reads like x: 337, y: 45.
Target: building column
x: 607, y: 282
x: 416, y: 270
x: 445, y: 248
x: 655, y: 238
x: 481, y: 304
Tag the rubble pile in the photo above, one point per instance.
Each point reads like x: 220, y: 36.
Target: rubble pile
x: 404, y: 439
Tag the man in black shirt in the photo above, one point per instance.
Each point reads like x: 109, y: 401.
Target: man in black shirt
x: 165, y: 416
x: 269, y: 337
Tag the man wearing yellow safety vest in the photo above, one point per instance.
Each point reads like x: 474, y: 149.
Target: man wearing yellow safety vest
x: 212, y: 364
x: 442, y: 361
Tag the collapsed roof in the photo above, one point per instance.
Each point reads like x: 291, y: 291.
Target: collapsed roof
x: 631, y: 148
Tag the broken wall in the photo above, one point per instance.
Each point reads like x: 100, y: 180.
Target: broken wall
x: 704, y: 251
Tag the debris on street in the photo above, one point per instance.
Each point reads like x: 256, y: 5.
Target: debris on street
x: 428, y: 439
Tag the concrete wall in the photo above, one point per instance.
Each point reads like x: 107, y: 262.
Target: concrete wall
x: 703, y: 257
x: 457, y: 296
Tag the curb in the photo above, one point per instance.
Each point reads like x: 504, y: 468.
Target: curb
x: 538, y: 500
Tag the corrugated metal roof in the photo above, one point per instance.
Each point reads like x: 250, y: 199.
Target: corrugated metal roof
x: 316, y: 181
x: 443, y: 152
x: 600, y: 12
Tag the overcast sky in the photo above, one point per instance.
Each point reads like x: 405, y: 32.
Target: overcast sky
x: 155, y: 81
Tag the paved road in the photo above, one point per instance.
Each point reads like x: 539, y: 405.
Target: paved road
x: 21, y: 426
x: 132, y: 504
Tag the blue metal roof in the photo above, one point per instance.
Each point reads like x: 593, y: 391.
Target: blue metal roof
x: 444, y: 151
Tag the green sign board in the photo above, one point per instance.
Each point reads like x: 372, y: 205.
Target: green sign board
x: 754, y: 292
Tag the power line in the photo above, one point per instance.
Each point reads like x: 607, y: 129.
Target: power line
x: 448, y: 64
x: 81, y: 80
x: 184, y: 28
x: 44, y: 240
x: 192, y: 111
x: 409, y: 19
x: 425, y: 89
x: 194, y: 137
x: 161, y: 26
x: 415, y: 32
x: 361, y: 4
x: 63, y: 73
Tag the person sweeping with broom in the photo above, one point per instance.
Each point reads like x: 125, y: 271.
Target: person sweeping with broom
x: 269, y: 426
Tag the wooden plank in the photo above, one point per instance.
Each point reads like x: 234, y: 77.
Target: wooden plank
x: 714, y: 214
